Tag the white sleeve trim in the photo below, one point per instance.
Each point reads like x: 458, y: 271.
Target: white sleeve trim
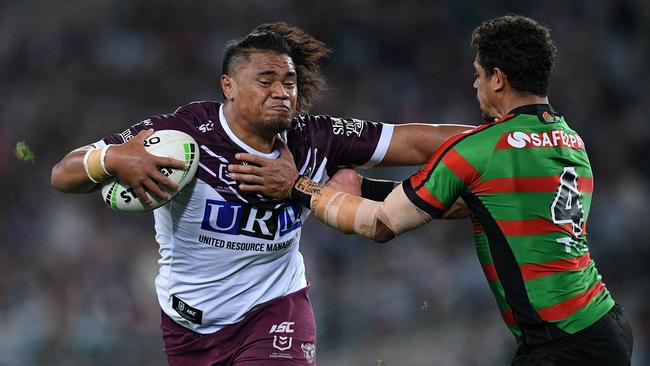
x: 95, y: 145
x: 382, y: 146
x: 99, y: 144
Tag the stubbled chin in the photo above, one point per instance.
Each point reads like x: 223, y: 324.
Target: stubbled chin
x: 278, y: 123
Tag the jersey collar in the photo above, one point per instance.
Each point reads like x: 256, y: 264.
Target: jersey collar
x: 544, y: 112
x: 224, y: 124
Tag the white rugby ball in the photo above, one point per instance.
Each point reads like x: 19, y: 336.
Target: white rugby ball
x: 167, y: 143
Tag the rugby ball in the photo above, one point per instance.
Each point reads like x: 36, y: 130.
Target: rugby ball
x: 167, y: 143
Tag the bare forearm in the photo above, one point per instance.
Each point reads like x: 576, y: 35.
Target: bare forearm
x: 69, y: 175
x: 414, y: 143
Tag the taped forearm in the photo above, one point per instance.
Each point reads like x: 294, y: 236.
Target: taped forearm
x: 352, y: 214
x: 337, y: 209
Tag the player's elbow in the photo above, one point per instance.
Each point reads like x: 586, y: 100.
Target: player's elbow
x: 381, y: 239
x: 383, y: 233
x: 55, y: 178
x: 60, y: 180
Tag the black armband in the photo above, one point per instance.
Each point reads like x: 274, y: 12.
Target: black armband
x: 376, y: 189
x: 300, y: 191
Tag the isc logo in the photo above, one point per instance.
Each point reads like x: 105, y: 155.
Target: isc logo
x: 284, y: 327
x: 241, y: 219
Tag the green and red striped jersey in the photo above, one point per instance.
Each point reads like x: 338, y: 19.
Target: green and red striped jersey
x: 528, y: 182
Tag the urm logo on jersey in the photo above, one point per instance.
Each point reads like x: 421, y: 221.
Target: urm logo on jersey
x: 241, y: 219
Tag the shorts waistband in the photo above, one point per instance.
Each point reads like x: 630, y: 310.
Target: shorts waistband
x: 568, y: 339
x: 303, y: 292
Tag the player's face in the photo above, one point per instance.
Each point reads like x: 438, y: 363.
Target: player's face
x: 265, y: 91
x: 484, y: 93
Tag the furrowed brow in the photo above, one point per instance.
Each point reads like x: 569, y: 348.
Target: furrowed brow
x: 290, y: 73
x: 267, y: 72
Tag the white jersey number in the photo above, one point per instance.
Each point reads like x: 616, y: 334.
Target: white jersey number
x: 566, y: 207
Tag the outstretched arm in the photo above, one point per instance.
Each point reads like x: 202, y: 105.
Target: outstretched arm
x: 410, y: 144
x: 379, y: 221
x: 414, y: 143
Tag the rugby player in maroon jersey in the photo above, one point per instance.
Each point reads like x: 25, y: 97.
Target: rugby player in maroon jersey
x: 525, y: 177
x: 231, y: 285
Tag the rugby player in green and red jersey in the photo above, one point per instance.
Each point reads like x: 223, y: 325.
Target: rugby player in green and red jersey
x: 526, y: 178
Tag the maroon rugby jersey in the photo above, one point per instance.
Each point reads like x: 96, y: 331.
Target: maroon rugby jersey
x: 224, y: 251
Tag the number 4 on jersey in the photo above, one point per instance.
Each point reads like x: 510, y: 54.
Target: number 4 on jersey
x: 566, y: 207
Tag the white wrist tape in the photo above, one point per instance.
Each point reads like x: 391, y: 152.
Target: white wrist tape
x: 95, y: 166
x: 86, y: 156
x: 102, y: 158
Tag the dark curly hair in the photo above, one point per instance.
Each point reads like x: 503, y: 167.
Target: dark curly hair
x: 520, y: 47
x: 305, y: 51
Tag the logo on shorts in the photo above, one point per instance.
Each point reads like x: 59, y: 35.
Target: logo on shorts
x: 284, y: 327
x: 280, y: 342
x: 309, y: 350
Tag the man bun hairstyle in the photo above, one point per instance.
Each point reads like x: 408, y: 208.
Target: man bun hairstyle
x: 518, y: 46
x: 305, y: 51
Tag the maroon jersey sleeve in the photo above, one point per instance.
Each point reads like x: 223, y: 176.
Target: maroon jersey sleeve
x: 348, y: 141
x: 189, y: 119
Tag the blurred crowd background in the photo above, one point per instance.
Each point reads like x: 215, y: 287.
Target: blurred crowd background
x: 76, y: 278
